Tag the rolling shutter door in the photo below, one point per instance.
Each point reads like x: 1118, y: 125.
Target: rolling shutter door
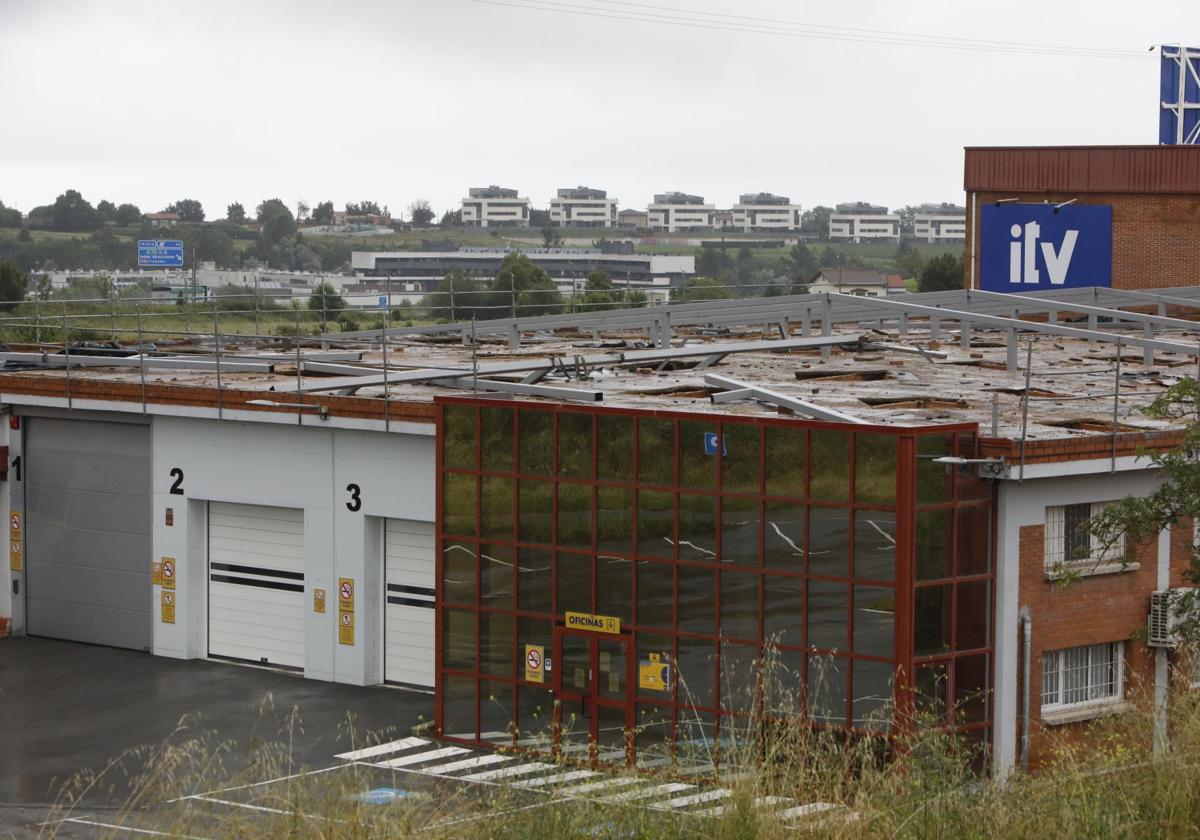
x: 87, y: 531
x: 409, y: 618
x: 256, y: 583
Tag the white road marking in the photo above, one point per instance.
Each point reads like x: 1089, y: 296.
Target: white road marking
x: 130, y: 829
x: 643, y: 793
x: 557, y: 778
x: 592, y: 787
x: 695, y: 799
x: 506, y: 772
x: 761, y: 802
x: 259, y: 784
x: 383, y: 749
x: 466, y: 764
x: 805, y: 810
x: 421, y: 757
x: 250, y: 807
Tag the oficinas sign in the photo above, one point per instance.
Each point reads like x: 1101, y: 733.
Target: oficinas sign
x: 1032, y: 247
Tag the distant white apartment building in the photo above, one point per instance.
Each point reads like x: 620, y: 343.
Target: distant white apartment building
x: 940, y: 223
x: 765, y: 212
x: 863, y: 222
x: 676, y: 211
x: 494, y: 207
x: 583, y: 207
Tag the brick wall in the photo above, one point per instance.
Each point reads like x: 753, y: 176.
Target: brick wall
x: 1155, y: 237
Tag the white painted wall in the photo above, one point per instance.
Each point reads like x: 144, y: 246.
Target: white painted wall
x: 297, y: 467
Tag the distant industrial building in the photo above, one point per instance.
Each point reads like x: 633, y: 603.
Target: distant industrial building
x: 862, y: 222
x: 765, y: 212
x: 494, y: 207
x: 583, y: 207
x: 676, y: 211
x: 940, y: 223
x: 633, y: 219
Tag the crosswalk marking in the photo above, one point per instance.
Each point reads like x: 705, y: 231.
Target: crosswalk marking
x: 422, y: 757
x: 467, y: 763
x: 604, y: 784
x: 696, y: 798
x: 383, y: 749
x: 642, y: 793
x: 805, y: 810
x: 760, y: 802
x: 558, y: 778
x: 508, y: 772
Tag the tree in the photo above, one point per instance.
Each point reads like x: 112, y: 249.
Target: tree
x: 291, y: 254
x: 551, y: 238
x: 458, y: 297
x: 599, y: 293
x: 70, y: 212
x: 815, y: 221
x: 13, y: 285
x: 522, y: 286
x: 421, y: 213
x: 363, y: 208
x: 538, y: 218
x: 909, y: 261
x: 804, y: 264
x: 451, y: 218
x: 326, y: 300
x: 128, y: 214
x: 10, y: 217
x: 189, y: 210
x: 322, y: 214
x: 832, y: 258
x: 942, y: 273
x: 106, y: 210
x: 235, y: 213
x: 277, y: 224
x: 907, y: 216
x: 703, y: 288
x: 302, y: 209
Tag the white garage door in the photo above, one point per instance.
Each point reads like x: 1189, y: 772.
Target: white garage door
x: 256, y: 583
x: 408, y: 623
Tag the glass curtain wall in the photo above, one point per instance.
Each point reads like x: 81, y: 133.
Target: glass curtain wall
x: 767, y: 562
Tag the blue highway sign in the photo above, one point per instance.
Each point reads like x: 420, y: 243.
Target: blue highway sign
x: 160, y: 253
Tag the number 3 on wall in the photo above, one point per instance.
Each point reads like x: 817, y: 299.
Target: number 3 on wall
x: 355, y: 503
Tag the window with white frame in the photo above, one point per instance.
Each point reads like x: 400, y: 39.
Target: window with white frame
x: 1068, y: 541
x: 1082, y: 676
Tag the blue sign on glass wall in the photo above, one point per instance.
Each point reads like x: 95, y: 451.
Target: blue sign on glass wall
x: 160, y: 253
x: 1031, y: 247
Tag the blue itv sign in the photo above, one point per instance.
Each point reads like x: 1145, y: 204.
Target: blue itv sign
x: 1027, y: 247
x: 160, y: 253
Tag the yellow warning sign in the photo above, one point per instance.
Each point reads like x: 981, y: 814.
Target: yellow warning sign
x: 16, y: 551
x: 346, y: 594
x: 15, y: 556
x: 346, y: 618
x: 168, y: 573
x: 168, y: 606
x: 535, y: 662
x: 654, y: 675
x: 156, y: 573
x: 595, y: 623
x: 346, y: 635
x: 319, y: 600
x: 14, y: 525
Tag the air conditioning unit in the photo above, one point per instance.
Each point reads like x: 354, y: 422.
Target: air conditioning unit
x: 1166, y: 606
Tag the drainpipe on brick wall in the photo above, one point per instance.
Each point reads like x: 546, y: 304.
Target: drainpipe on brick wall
x: 1161, y: 664
x: 1025, y: 617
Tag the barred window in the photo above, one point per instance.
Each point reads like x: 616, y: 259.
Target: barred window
x: 1068, y: 541
x: 1082, y: 676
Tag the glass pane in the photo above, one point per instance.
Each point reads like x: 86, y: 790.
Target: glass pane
x: 655, y: 594
x: 874, y: 621
x: 496, y: 576
x: 972, y: 686
x: 656, y: 451
x: 458, y: 640
x: 458, y: 573
x: 740, y: 458
x: 458, y: 706
x: 872, y: 695
x: 974, y: 614
x: 739, y: 530
x: 574, y: 583
x: 739, y: 604
x: 828, y: 615
x: 652, y: 735
x: 934, y: 481
x: 537, y: 443
x: 784, y: 460
x: 575, y: 444
x: 497, y: 450
x: 534, y: 580
x: 615, y: 442
x: 875, y: 469
x: 783, y: 610
x: 932, y: 685
x: 458, y: 504
x: 970, y: 485
x: 697, y: 600
x: 697, y: 671
x: 875, y: 545
x: 576, y: 665
x: 496, y: 644
x: 536, y: 511
x: 656, y: 523
x: 783, y: 535
x: 827, y: 689
x: 614, y: 519
x: 695, y: 744
x: 829, y: 542
x: 496, y: 507
x: 611, y: 733
x: 459, y: 431
x: 932, y: 620
x: 697, y: 527
x: 933, y: 544
x: 739, y: 677
x: 829, y: 465
x: 575, y: 516
x: 614, y: 586
x: 698, y: 448
x: 974, y: 541
x: 535, y: 716
x: 654, y: 657
x: 612, y: 674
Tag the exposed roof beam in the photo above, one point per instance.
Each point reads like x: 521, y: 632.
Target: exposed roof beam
x: 233, y: 365
x: 1026, y: 302
x: 467, y: 383
x: 739, y: 390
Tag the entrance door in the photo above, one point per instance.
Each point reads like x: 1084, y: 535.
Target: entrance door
x: 593, y: 711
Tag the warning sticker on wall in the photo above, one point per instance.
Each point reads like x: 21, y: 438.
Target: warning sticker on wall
x: 168, y: 573
x: 16, y: 550
x: 156, y: 573
x: 346, y: 593
x: 15, y: 556
x: 535, y: 661
x: 168, y: 606
x: 654, y: 674
x: 346, y: 627
x: 318, y: 600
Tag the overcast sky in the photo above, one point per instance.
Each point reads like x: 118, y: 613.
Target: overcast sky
x: 364, y: 99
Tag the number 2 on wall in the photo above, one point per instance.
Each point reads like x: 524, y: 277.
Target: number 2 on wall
x: 177, y: 485
x: 355, y: 503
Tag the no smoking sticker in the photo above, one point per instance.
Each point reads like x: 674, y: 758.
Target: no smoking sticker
x: 535, y: 659
x: 168, y: 573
